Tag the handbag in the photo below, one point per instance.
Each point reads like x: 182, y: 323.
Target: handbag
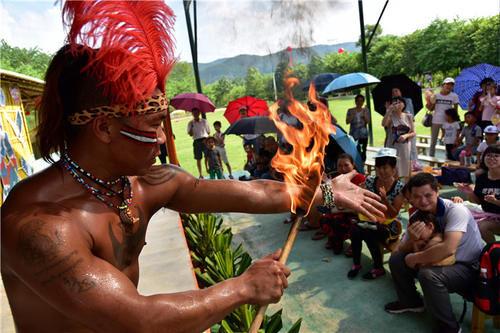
x: 427, y: 120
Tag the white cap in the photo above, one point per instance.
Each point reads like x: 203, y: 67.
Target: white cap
x: 448, y: 80
x: 491, y: 129
x: 387, y: 152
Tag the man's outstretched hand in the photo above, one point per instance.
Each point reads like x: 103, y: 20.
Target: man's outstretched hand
x: 353, y: 197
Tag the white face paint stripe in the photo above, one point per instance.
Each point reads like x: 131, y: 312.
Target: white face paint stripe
x: 139, y: 138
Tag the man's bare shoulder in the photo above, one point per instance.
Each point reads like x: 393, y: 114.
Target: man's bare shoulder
x: 161, y: 174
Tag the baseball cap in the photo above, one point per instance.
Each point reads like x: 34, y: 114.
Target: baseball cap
x: 448, y: 80
x: 387, y: 152
x: 491, y: 129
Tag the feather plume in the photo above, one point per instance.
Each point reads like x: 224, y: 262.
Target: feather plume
x: 135, y: 47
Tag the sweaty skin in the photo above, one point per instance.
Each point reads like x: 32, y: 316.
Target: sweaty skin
x: 70, y: 265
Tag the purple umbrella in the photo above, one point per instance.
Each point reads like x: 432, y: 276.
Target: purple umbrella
x: 190, y: 101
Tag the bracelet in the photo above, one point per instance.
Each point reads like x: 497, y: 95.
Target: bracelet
x: 328, y: 196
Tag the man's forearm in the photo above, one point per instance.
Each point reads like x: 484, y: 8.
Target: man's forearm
x: 193, y: 311
x: 433, y: 254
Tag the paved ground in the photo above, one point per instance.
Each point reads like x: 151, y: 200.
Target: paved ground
x: 165, y: 263
x: 319, y: 290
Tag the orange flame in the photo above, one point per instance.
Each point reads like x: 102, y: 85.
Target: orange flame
x: 303, y: 167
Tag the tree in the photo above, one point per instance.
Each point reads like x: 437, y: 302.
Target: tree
x: 385, y: 56
x: 254, y: 83
x: 32, y: 62
x: 181, y: 80
x: 368, y: 32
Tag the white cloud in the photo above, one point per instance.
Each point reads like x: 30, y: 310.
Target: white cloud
x: 230, y: 27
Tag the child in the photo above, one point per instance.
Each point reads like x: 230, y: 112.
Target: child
x: 451, y: 128
x: 213, y: 162
x: 250, y: 163
x: 490, y: 139
x: 387, y: 185
x: 472, y: 134
x: 430, y: 236
x: 220, y: 146
x: 337, y: 225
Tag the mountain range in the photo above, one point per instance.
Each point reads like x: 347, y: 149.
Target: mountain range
x: 236, y: 67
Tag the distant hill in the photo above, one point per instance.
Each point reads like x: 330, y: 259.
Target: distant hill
x: 235, y: 67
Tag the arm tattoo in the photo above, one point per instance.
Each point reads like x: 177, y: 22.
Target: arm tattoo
x: 159, y: 175
x: 40, y: 250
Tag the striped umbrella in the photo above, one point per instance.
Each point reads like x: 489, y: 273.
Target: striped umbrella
x: 467, y: 82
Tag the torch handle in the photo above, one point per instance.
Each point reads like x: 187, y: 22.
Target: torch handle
x: 287, y: 248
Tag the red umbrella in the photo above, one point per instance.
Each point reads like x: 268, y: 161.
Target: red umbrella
x: 190, y: 101
x: 254, y: 107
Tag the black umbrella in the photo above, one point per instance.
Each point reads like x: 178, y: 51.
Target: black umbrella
x: 252, y: 125
x: 382, y: 93
x: 321, y: 81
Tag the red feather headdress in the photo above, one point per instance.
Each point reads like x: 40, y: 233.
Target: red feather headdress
x: 135, y: 48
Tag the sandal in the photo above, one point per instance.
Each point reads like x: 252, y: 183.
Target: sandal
x: 373, y: 274
x: 306, y: 227
x: 354, y: 271
x: 231, y: 177
x: 318, y: 235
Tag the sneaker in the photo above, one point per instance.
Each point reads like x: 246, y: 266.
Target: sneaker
x: 374, y: 273
x: 398, y: 307
x: 231, y: 177
x: 354, y: 271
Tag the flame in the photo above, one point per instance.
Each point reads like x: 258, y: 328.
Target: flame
x: 303, y: 166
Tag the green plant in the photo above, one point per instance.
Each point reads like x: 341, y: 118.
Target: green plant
x: 215, y: 260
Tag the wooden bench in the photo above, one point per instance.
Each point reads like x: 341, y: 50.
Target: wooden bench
x: 370, y: 167
x: 433, y: 161
x: 422, y: 148
x: 478, y: 318
x: 424, y: 138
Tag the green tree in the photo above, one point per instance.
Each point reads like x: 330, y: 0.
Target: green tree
x: 181, y: 79
x: 254, y: 83
x: 368, y: 32
x: 385, y: 56
x: 30, y: 61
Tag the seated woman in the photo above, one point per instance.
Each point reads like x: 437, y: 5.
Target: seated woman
x: 486, y: 192
x: 376, y: 233
x: 337, y: 225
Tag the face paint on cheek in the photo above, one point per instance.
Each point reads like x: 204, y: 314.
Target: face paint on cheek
x: 140, y: 136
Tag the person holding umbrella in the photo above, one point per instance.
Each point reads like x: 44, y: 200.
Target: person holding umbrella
x: 199, y: 129
x: 401, y: 130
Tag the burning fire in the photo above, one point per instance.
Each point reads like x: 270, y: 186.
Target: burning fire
x: 307, y: 133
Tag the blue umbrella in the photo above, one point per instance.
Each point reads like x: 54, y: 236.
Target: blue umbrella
x: 467, y: 82
x: 321, y: 81
x: 350, y: 81
x: 348, y: 145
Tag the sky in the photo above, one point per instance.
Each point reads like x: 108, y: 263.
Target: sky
x: 232, y: 27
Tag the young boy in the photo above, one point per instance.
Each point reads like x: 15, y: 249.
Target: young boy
x: 431, y: 235
x: 490, y: 139
x: 213, y: 162
x: 220, y: 146
x: 472, y: 134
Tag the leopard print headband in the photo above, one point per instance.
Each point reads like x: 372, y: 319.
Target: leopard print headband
x: 152, y: 105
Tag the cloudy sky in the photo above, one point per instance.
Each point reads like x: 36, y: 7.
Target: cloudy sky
x: 231, y: 27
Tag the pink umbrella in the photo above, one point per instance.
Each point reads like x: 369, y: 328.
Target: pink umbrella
x: 190, y: 101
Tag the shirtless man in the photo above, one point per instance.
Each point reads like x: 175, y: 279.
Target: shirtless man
x: 72, y: 234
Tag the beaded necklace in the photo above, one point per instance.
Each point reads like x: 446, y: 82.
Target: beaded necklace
x: 124, y: 212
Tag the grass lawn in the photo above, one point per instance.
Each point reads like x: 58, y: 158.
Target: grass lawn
x: 234, y: 147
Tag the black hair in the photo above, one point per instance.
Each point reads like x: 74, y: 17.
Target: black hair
x: 486, y: 80
x: 422, y: 179
x: 217, y: 123
x: 359, y: 96
x: 426, y: 218
x: 453, y: 113
x: 470, y: 113
x: 67, y: 90
x: 401, y: 99
x: 386, y: 160
x: 345, y: 156
x: 495, y: 149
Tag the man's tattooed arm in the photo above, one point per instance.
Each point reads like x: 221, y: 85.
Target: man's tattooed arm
x: 42, y: 250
